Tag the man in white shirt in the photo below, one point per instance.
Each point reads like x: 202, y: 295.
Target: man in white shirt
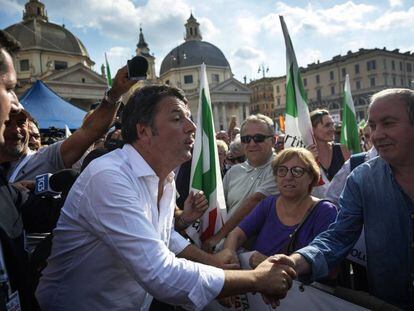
x: 115, y: 247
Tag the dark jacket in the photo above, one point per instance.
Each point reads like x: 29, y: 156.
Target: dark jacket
x: 19, y: 211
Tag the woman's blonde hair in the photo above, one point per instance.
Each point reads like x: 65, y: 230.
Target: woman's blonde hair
x: 303, y: 155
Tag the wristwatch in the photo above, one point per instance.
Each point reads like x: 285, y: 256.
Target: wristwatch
x: 108, y: 99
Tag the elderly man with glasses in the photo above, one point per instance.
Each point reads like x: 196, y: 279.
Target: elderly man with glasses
x: 248, y: 183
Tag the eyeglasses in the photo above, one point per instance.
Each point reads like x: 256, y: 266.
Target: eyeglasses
x: 296, y: 171
x: 257, y: 138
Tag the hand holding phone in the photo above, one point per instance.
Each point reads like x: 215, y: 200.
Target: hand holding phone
x: 137, y: 68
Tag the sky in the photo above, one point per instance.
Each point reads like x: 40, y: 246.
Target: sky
x: 248, y: 32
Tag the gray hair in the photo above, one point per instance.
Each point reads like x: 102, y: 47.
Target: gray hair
x: 259, y: 118
x: 221, y: 144
x: 406, y: 95
x: 236, y: 145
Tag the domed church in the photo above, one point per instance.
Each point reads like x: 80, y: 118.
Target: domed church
x: 51, y: 53
x: 181, y: 68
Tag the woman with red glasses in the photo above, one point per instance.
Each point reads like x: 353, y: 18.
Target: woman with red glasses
x: 290, y: 220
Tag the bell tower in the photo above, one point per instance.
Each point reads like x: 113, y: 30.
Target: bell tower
x: 35, y: 9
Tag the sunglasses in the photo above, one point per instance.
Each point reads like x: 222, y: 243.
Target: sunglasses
x: 258, y: 138
x: 240, y: 159
x: 296, y: 171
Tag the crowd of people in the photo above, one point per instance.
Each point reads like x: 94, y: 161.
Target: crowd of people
x: 117, y: 232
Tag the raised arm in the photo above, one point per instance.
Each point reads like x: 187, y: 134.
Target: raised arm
x: 97, y: 123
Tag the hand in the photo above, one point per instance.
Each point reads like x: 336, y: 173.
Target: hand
x: 275, y: 278
x: 256, y: 259
x: 194, y: 207
x: 227, y: 302
x: 25, y: 185
x: 120, y: 84
x: 211, y: 243
x: 226, y: 259
x: 314, y: 149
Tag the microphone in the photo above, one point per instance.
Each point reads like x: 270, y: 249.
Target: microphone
x: 63, y: 180
x: 42, y: 185
x: 57, y: 183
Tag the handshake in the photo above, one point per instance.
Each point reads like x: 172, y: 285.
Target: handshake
x: 275, y: 276
x: 272, y: 278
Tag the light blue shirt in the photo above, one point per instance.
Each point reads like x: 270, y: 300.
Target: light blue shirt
x: 373, y: 198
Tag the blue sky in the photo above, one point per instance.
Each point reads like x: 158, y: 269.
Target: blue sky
x: 248, y: 32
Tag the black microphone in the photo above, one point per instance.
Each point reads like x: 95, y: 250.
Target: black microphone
x: 63, y: 180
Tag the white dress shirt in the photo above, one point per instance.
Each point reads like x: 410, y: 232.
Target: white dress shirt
x: 111, y: 247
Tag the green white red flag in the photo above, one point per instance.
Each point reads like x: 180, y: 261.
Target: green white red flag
x: 108, y: 73
x: 349, y: 131
x: 205, y: 169
x: 298, y: 127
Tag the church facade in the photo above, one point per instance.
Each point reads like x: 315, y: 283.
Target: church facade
x: 51, y: 53
x: 181, y: 68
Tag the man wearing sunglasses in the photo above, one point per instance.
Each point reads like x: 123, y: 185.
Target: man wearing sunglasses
x: 246, y: 184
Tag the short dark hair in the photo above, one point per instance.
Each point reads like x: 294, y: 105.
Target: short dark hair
x: 142, y: 107
x: 317, y: 115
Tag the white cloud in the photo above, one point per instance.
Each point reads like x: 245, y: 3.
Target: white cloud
x: 208, y: 30
x: 11, y: 6
x: 117, y: 57
x: 339, y: 18
x: 393, y: 20
x: 247, y: 27
x: 395, y: 3
x: 122, y: 18
x: 308, y: 56
x: 248, y: 53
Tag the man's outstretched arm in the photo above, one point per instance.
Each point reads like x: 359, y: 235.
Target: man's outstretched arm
x: 95, y: 125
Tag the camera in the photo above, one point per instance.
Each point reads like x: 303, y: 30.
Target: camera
x: 137, y: 68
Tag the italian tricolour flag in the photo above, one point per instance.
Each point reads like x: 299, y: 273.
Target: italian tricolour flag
x: 205, y: 169
x: 298, y: 127
x: 108, y: 72
x: 349, y: 131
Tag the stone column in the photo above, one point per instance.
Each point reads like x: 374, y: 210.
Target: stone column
x: 224, y: 115
x: 216, y: 117
x: 239, y: 113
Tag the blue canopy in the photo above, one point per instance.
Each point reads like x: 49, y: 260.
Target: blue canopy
x: 49, y: 109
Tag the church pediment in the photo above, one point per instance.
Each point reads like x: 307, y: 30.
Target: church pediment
x: 77, y: 74
x: 231, y: 86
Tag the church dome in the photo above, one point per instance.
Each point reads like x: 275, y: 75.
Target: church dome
x: 39, y: 34
x: 192, y: 53
x: 36, y: 32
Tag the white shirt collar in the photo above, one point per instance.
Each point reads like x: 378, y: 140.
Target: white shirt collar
x: 139, y: 166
